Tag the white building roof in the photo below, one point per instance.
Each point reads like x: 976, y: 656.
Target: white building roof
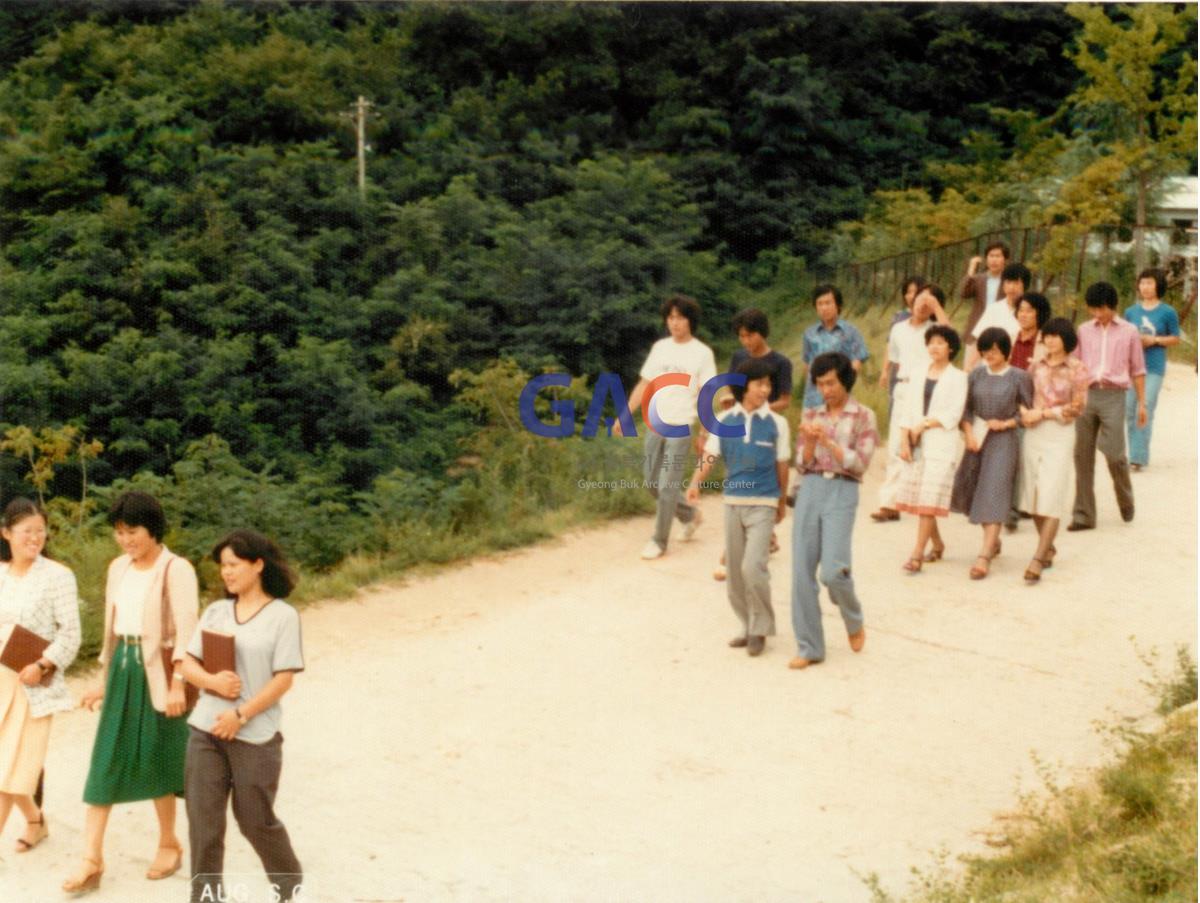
x: 1179, y: 199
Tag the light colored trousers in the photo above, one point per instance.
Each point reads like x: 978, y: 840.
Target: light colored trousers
x: 665, y: 464
x: 748, y: 582
x: 821, y: 537
x: 894, y: 475
x: 1139, y: 440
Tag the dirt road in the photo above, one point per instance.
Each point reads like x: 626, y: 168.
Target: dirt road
x: 567, y: 723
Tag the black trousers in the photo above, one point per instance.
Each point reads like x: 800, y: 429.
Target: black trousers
x: 215, y: 770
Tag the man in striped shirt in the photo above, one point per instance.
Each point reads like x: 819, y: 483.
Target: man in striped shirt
x: 1111, y: 349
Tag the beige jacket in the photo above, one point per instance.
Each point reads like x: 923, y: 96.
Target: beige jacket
x: 183, y: 593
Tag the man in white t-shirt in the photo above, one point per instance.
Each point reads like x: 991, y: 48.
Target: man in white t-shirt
x: 906, y: 349
x: 667, y: 459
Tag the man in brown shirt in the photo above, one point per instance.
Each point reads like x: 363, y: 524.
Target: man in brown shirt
x: 986, y: 287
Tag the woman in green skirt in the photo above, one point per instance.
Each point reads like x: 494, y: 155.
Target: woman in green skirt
x: 141, y: 738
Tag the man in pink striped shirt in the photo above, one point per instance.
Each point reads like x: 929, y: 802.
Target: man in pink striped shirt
x: 1111, y: 349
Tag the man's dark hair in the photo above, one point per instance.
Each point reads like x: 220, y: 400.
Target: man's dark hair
x: 828, y: 288
x: 838, y: 362
x: 1015, y: 271
x: 946, y: 332
x: 686, y: 306
x: 992, y: 246
x: 1159, y: 277
x: 1101, y: 294
x: 752, y: 368
x: 752, y: 320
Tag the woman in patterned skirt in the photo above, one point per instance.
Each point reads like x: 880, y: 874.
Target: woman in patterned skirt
x: 141, y: 739
x: 930, y: 445
x: 983, y: 488
x: 40, y: 595
x: 1060, y: 384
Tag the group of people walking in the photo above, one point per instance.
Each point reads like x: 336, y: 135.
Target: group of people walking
x: 1013, y: 434
x: 168, y: 726
x: 1017, y: 433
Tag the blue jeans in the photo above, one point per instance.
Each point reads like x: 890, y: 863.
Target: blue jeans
x: 1139, y: 440
x: 821, y: 536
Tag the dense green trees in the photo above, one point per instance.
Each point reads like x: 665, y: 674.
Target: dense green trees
x: 1129, y: 124
x: 185, y: 253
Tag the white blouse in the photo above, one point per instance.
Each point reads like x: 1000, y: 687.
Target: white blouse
x: 14, y: 593
x: 131, y: 600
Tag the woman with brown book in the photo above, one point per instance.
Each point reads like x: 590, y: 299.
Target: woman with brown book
x: 39, y: 604
x: 151, y: 602
x: 235, y: 743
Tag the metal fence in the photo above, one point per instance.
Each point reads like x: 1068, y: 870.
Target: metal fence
x: 1100, y: 253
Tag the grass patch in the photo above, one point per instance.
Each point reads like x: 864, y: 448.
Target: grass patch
x: 1126, y: 836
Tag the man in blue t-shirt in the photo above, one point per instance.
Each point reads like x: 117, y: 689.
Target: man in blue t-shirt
x: 1158, y: 325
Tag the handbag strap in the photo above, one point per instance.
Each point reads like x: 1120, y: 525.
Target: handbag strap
x: 167, y: 617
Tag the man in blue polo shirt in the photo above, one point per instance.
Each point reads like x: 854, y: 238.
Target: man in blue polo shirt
x: 830, y: 333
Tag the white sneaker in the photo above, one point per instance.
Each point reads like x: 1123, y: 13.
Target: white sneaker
x: 689, y: 529
x: 651, y: 551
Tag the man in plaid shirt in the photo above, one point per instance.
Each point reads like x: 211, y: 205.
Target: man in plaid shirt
x: 835, y: 445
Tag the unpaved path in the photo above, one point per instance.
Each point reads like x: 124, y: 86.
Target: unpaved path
x: 566, y: 722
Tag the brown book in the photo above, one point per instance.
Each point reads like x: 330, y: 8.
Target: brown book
x: 24, y: 647
x: 217, y: 649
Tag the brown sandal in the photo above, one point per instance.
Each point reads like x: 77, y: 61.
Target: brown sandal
x: 1032, y: 576
x: 912, y: 566
x: 977, y: 572
x: 935, y: 554
x: 41, y: 832
x: 90, y: 882
x: 155, y: 874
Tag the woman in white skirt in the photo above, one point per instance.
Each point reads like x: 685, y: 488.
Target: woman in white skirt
x: 1060, y: 384
x: 930, y: 442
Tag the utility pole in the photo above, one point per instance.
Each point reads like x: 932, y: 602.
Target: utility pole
x: 358, y: 113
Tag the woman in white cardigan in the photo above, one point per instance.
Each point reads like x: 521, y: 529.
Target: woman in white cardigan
x: 40, y: 595
x: 930, y: 443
